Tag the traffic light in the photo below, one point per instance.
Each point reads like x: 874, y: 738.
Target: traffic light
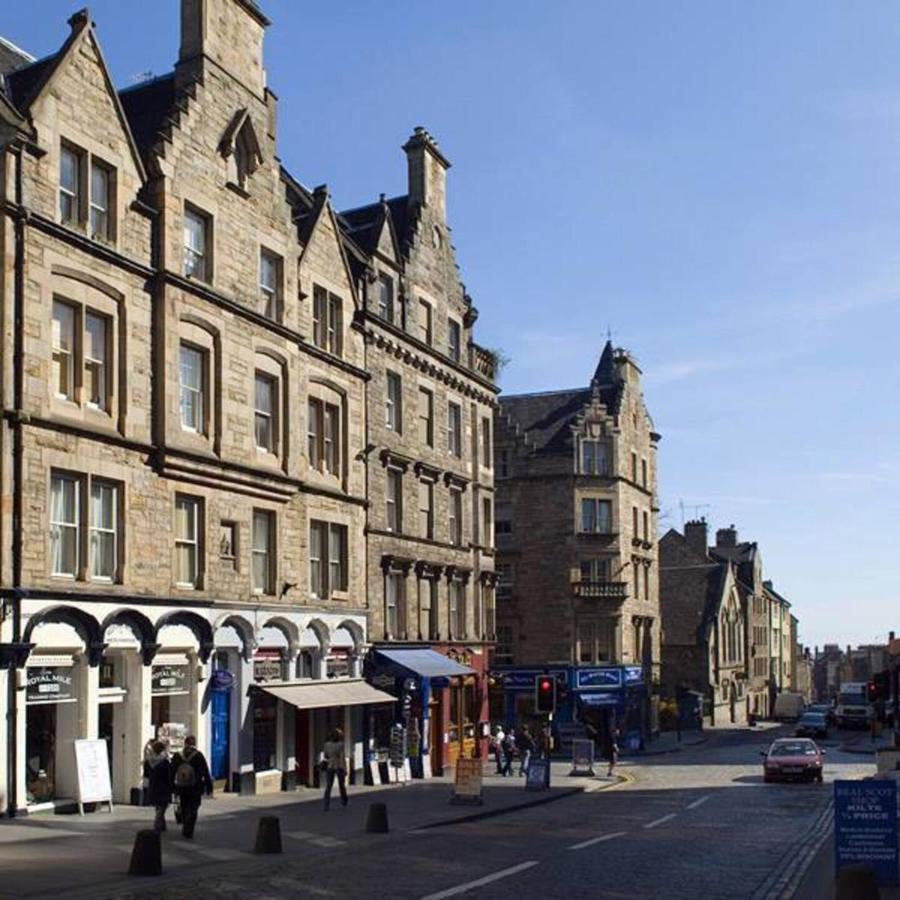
x: 872, y: 691
x: 545, y: 694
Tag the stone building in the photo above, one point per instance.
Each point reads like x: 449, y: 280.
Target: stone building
x: 576, y: 545
x: 703, y: 610
x: 430, y: 473
x: 193, y: 345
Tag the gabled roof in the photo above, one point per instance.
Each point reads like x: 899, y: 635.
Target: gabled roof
x: 27, y: 84
x: 363, y: 224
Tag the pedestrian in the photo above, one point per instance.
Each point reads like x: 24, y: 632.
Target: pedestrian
x: 190, y: 781
x: 526, y: 746
x: 509, y: 753
x: 611, y: 751
x: 497, y: 746
x: 157, y: 772
x: 335, y: 763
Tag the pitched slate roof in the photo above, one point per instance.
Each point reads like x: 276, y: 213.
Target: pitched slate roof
x: 147, y: 107
x: 23, y: 85
x: 546, y: 417
x: 364, y: 223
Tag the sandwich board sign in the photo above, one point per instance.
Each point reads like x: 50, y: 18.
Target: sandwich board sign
x: 582, y: 757
x: 537, y: 778
x: 468, y: 782
x: 92, y: 771
x: 865, y: 826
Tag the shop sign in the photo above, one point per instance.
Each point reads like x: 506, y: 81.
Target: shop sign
x: 222, y: 681
x: 600, y: 677
x: 168, y: 680
x: 267, y: 668
x: 523, y: 680
x: 634, y: 675
x: 48, y: 684
x: 538, y: 776
x: 865, y: 827
x: 468, y: 782
x: 384, y: 681
x: 582, y: 757
x: 172, y: 734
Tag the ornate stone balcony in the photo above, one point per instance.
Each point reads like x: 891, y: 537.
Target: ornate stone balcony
x: 484, y: 362
x: 601, y: 590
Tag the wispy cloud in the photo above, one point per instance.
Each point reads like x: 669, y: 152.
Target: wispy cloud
x: 880, y: 473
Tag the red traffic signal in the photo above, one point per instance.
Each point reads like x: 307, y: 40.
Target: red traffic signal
x: 872, y: 691
x: 544, y: 694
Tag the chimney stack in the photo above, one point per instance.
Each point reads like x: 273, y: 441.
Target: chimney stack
x: 695, y: 534
x: 427, y: 173
x: 726, y: 537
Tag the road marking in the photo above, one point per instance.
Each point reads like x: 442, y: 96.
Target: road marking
x: 597, y: 840
x: 660, y: 821
x: 300, y: 835
x: 699, y: 802
x: 328, y: 842
x: 481, y: 882
x: 221, y: 854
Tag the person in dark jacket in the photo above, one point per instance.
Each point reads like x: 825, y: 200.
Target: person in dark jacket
x: 526, y: 746
x: 157, y: 771
x: 190, y: 781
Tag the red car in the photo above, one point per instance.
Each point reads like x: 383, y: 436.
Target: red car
x: 793, y: 759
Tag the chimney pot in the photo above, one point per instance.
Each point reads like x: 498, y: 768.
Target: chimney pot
x: 695, y: 534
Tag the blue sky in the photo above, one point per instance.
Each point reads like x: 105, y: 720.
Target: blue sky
x: 716, y: 182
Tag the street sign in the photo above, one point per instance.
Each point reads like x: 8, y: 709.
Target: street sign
x: 538, y: 776
x: 468, y: 782
x: 865, y: 826
x: 582, y: 757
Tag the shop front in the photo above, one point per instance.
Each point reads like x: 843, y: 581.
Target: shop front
x: 610, y: 698
x: 438, y: 702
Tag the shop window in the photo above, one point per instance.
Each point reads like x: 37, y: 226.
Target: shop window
x: 197, y: 244
x: 270, y: 280
x: 393, y: 403
x: 327, y: 558
x: 188, y: 544
x: 265, y: 731
x: 263, y: 551
x: 394, y: 500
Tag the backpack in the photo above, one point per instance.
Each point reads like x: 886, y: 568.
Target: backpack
x: 185, y: 776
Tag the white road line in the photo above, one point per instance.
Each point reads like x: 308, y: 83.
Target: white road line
x: 222, y: 854
x: 300, y: 835
x: 660, y: 821
x: 496, y: 876
x: 597, y: 840
x: 328, y: 842
x: 699, y: 802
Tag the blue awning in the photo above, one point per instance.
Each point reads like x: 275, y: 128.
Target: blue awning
x: 426, y: 663
x: 598, y: 698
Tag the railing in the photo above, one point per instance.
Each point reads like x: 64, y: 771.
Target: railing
x: 484, y: 362
x: 600, y: 590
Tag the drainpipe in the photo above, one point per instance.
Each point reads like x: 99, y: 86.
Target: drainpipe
x: 18, y: 376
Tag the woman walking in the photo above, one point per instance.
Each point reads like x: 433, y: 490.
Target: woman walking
x: 157, y: 771
x: 611, y: 751
x: 335, y: 763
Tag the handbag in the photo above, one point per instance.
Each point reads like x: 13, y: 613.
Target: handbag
x: 323, y: 765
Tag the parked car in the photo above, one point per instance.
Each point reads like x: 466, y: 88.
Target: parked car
x: 793, y: 759
x: 812, y: 724
x: 826, y: 709
x: 789, y: 707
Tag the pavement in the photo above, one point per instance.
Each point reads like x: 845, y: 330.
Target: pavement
x: 694, y: 821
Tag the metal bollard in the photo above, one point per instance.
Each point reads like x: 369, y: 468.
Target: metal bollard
x: 377, y: 820
x: 268, y: 835
x: 146, y: 855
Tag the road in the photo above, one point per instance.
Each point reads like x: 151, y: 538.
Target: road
x: 698, y: 823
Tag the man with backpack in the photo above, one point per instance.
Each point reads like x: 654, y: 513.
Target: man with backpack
x: 190, y: 780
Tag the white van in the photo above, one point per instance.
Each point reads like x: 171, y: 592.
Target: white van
x: 789, y: 707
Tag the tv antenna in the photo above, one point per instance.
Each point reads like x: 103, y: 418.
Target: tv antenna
x: 695, y: 508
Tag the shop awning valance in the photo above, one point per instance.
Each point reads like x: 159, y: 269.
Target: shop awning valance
x: 426, y: 663
x: 320, y: 694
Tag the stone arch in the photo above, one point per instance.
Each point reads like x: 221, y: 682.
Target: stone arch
x: 287, y: 627
x: 197, y: 624
x: 85, y: 625
x: 244, y: 629
x: 141, y: 626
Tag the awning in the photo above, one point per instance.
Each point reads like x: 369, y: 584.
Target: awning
x: 319, y: 694
x: 426, y: 663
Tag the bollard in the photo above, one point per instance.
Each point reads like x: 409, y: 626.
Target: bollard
x: 268, y: 835
x: 856, y: 883
x: 377, y: 820
x: 146, y: 856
